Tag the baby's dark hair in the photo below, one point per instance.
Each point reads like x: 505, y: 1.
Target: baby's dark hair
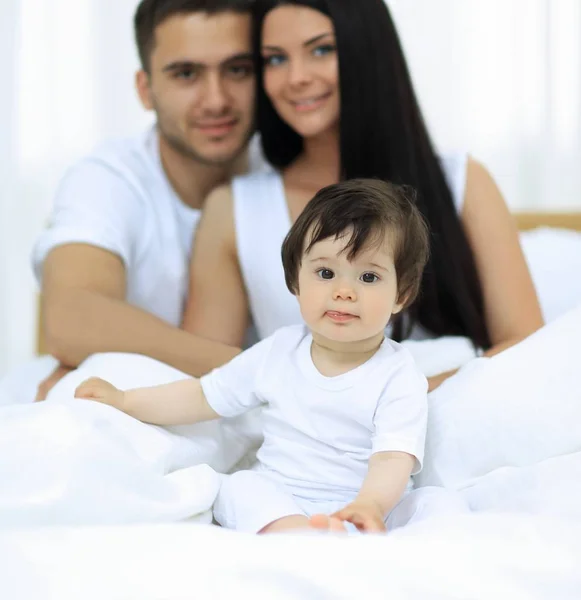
x: 373, y: 211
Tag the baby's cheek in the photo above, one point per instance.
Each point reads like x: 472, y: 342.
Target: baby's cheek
x: 379, y: 308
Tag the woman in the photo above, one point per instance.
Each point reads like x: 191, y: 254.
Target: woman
x: 329, y: 108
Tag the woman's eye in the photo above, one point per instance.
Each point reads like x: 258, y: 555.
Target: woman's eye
x: 369, y: 278
x: 323, y: 50
x: 325, y: 274
x: 274, y: 60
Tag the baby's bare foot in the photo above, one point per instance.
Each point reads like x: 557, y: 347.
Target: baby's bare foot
x: 327, y: 523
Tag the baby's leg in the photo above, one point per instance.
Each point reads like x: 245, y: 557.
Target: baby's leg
x: 328, y: 523
x: 252, y: 502
x: 300, y: 522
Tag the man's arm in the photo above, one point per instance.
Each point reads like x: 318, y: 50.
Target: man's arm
x: 85, y: 311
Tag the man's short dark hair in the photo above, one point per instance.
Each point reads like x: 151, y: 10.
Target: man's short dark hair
x: 151, y: 13
x: 373, y: 211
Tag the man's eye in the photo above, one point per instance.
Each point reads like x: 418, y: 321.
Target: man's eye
x: 325, y: 273
x: 369, y: 278
x: 240, y: 71
x: 186, y: 74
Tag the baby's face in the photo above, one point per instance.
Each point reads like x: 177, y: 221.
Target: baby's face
x: 347, y: 301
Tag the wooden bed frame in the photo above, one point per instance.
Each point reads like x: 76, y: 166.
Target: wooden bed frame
x: 524, y: 220
x: 531, y: 220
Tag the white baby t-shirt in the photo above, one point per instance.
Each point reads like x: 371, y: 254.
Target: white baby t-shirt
x: 319, y: 432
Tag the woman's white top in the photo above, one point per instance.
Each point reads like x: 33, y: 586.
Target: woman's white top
x: 262, y: 220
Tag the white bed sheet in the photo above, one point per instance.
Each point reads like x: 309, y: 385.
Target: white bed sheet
x: 477, y: 556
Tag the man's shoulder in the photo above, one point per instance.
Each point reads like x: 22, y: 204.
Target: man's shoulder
x: 130, y: 159
x: 127, y: 152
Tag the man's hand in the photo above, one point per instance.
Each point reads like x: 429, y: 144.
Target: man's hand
x: 365, y: 515
x: 101, y: 391
x: 47, y: 384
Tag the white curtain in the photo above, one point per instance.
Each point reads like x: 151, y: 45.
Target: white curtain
x: 500, y: 78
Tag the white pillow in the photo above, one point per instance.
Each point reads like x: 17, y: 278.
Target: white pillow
x: 554, y: 259
x: 515, y: 409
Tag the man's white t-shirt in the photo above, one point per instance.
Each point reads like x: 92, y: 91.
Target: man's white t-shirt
x: 119, y: 199
x: 319, y: 432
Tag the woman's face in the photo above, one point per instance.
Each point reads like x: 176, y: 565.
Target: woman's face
x: 301, y: 68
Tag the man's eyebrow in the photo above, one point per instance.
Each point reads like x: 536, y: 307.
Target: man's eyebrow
x: 177, y: 65
x: 237, y: 57
x: 314, y: 40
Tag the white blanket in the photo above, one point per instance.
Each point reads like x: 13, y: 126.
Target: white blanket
x: 477, y: 556
x: 76, y: 462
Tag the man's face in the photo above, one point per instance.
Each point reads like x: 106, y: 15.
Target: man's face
x: 201, y: 85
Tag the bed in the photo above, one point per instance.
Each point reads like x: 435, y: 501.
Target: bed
x: 97, y: 505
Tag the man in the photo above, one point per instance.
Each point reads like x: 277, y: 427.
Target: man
x: 114, y: 260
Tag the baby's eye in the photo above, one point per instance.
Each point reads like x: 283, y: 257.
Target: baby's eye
x: 369, y: 278
x: 325, y: 274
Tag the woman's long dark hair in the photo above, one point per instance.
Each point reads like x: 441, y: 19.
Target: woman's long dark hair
x: 383, y: 135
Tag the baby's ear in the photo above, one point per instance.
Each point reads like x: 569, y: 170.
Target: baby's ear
x: 397, y: 308
x: 401, y: 303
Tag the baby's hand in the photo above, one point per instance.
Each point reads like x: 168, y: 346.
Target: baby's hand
x: 101, y: 391
x: 365, y: 515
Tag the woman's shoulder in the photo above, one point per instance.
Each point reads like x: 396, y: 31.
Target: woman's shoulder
x: 223, y: 197
x: 219, y: 200
x: 454, y: 164
x: 254, y: 181
x: 255, y: 194
x: 464, y: 174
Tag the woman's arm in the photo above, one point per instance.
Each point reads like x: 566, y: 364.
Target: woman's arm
x: 217, y: 305
x: 511, y: 305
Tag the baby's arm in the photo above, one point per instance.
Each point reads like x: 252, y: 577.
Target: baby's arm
x: 387, y: 477
x: 179, y: 403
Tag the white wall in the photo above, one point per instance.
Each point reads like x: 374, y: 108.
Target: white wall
x: 501, y: 78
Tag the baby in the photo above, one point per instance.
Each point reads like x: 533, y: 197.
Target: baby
x: 345, y: 408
